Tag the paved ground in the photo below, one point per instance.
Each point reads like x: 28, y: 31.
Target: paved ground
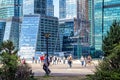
x: 63, y: 69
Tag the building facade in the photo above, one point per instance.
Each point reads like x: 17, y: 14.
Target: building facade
x: 9, y: 8
x: 32, y: 37
x: 67, y: 9
x: 66, y: 30
x: 34, y: 7
x: 12, y: 31
x: 2, y: 29
x: 105, y: 12
x: 82, y: 28
x: 50, y: 8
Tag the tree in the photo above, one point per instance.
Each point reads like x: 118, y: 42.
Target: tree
x: 11, y: 69
x: 109, y: 69
x: 112, y: 37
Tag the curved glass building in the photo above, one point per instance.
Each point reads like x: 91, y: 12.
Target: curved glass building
x: 10, y: 8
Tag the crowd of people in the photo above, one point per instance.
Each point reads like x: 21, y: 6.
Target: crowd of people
x: 54, y: 60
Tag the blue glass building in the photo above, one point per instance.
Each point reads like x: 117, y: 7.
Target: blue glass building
x: 2, y: 29
x: 12, y: 30
x: 67, y: 9
x: 32, y: 35
x: 105, y: 12
x: 50, y: 8
x: 9, y: 8
x: 34, y: 7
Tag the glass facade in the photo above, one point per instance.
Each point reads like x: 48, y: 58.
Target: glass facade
x: 66, y: 31
x: 32, y: 38
x: 34, y: 7
x: 10, y: 8
x: 28, y: 7
x: 28, y: 36
x: 2, y: 29
x: 50, y: 8
x: 12, y: 31
x: 62, y: 9
x: 91, y: 19
x: 67, y: 9
x: 40, y: 7
x: 110, y: 12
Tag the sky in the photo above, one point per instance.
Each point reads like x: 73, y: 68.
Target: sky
x: 56, y: 8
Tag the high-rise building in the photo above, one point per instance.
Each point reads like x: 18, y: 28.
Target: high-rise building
x: 82, y: 28
x: 105, y: 12
x: 66, y: 30
x: 67, y: 9
x: 12, y: 31
x: 9, y: 8
x: 67, y: 13
x: 91, y: 20
x: 34, y: 7
x: 2, y: 29
x: 50, y: 8
x: 32, y: 35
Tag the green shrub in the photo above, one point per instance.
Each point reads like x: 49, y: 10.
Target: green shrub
x: 109, y: 69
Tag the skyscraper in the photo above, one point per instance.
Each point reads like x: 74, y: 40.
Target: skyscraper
x: 32, y: 36
x: 9, y: 8
x: 12, y: 31
x: 105, y: 12
x: 91, y: 20
x: 82, y: 28
x: 2, y: 29
x: 67, y: 13
x: 50, y: 8
x: 67, y: 9
x: 34, y: 7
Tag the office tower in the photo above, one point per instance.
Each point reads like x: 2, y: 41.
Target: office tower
x: 32, y: 35
x: 82, y: 28
x: 67, y: 9
x: 105, y: 12
x: 2, y: 29
x: 9, y: 8
x: 67, y: 13
x: 66, y: 29
x: 50, y: 8
x: 12, y: 31
x: 34, y: 7
x: 91, y: 20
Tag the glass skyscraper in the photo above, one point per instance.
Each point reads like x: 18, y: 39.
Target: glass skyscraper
x: 12, y: 30
x: 34, y: 7
x: 67, y: 9
x: 2, y: 29
x: 10, y: 8
x: 32, y: 35
x: 28, y: 36
x: 50, y: 8
x: 105, y: 12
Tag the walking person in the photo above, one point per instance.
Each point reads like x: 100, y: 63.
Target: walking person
x: 46, y: 64
x: 82, y: 61
x: 70, y: 61
x: 33, y: 59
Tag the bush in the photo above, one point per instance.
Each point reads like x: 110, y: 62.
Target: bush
x: 11, y: 68
x: 109, y: 69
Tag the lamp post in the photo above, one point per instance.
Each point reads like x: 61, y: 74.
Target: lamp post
x: 47, y: 35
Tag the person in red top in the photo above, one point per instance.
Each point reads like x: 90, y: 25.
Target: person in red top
x: 42, y: 58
